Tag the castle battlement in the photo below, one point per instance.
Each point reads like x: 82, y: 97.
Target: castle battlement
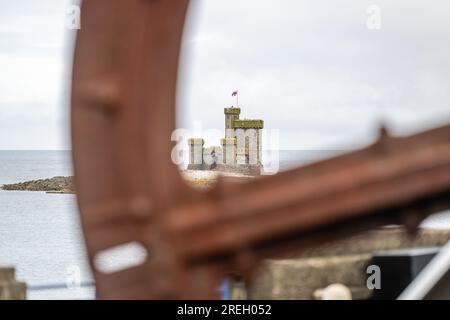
x: 248, y: 124
x: 232, y: 110
x: 240, y: 150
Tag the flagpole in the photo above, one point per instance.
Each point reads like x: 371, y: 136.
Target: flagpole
x: 236, y: 93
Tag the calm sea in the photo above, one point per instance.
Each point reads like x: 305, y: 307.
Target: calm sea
x: 40, y: 233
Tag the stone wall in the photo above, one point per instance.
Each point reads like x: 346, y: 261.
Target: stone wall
x: 345, y: 262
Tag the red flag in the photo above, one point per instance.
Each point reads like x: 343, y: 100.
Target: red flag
x: 234, y: 94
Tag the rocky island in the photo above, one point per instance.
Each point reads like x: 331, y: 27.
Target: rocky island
x: 51, y: 185
x: 201, y: 179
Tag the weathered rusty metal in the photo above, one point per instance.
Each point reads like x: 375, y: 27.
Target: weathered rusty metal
x: 123, y: 114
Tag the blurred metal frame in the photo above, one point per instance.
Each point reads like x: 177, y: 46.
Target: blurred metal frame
x: 128, y: 189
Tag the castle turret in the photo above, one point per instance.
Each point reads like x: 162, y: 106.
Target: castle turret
x: 248, y: 136
x: 231, y: 114
x: 195, y: 153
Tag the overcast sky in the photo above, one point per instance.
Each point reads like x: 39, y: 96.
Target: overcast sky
x: 312, y: 69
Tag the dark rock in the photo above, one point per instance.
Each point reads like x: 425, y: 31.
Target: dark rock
x: 54, y: 185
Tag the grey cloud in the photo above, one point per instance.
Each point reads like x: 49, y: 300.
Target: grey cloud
x: 315, y: 69
x: 309, y: 68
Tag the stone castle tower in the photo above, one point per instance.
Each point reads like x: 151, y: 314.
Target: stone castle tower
x: 240, y: 149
